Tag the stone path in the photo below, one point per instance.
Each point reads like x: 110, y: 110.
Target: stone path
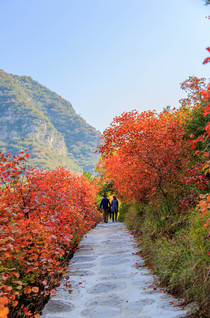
x: 107, y: 279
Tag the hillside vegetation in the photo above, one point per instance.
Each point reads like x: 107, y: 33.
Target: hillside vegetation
x: 35, y: 119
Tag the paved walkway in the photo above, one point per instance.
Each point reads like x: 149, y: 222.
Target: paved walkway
x: 107, y: 279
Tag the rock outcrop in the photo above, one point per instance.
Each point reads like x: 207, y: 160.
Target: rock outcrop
x: 35, y: 119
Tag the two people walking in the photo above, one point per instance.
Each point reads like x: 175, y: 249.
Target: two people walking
x: 105, y: 206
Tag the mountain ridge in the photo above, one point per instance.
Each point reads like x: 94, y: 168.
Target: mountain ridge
x: 33, y: 117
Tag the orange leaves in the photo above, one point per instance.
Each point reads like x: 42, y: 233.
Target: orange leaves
x: 142, y: 152
x: 4, y: 311
x: 193, y: 86
x: 15, y: 303
x: 43, y: 218
x: 27, y: 290
x: 4, y: 300
x: 204, y: 205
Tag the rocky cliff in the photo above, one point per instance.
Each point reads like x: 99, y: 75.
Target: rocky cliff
x: 35, y: 119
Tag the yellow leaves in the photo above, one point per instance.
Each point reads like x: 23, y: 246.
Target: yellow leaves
x: 206, y: 167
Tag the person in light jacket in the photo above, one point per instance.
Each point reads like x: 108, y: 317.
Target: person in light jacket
x: 114, y: 208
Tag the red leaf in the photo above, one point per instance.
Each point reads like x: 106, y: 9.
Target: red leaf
x: 206, y: 110
x: 207, y: 60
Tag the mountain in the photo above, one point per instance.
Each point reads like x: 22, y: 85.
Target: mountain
x: 35, y: 119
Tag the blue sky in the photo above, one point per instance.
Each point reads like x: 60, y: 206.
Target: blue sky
x: 107, y: 56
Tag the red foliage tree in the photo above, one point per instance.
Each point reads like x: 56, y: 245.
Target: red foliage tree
x: 144, y: 154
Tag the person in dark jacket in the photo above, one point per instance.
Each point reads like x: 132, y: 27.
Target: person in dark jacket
x: 104, y: 206
x: 114, y: 208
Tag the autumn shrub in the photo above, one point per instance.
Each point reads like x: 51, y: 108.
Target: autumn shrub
x: 43, y: 215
